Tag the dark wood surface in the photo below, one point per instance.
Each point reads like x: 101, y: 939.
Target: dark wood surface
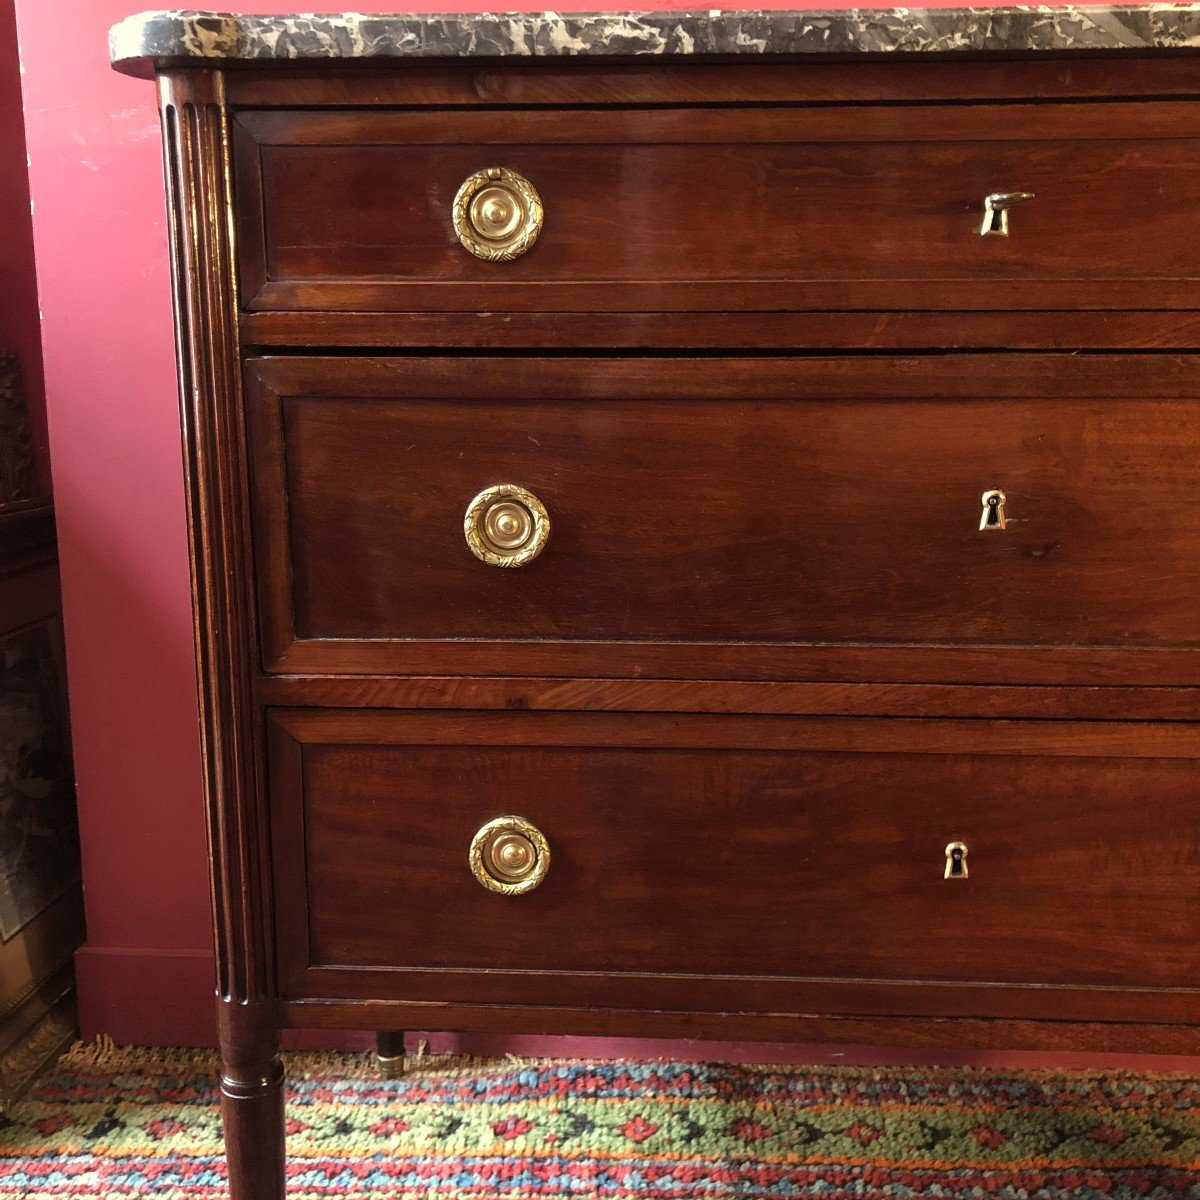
x: 763, y: 208
x: 919, y: 1033
x: 262, y: 331
x: 195, y: 137
x: 771, y: 666
x: 698, y: 501
x: 26, y: 537
x: 898, y: 79
x: 733, y: 696
x: 765, y: 849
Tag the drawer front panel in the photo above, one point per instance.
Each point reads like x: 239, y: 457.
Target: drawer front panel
x: 713, y: 209
x: 762, y: 848
x: 761, y: 506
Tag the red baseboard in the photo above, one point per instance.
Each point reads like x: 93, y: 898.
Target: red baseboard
x: 146, y: 997
x: 165, y: 998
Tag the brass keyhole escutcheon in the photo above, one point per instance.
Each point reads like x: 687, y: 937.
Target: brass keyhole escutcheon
x: 992, y: 517
x: 497, y: 214
x: 510, y: 856
x: 956, y: 861
x: 506, y: 526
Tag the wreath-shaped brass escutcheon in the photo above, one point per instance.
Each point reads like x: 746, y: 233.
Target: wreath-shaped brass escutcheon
x: 506, y: 526
x: 497, y: 214
x: 509, y: 856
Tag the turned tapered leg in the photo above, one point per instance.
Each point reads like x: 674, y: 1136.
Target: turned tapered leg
x: 252, y: 1105
x: 389, y: 1051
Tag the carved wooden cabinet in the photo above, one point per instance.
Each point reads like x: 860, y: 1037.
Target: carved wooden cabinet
x: 692, y: 543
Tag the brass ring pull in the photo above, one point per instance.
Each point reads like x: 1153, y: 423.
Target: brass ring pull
x: 506, y: 526
x: 995, y: 212
x: 497, y: 214
x: 509, y: 856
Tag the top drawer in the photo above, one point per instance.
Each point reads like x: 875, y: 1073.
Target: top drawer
x: 707, y: 209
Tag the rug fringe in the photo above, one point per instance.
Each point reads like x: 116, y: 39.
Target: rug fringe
x: 104, y: 1054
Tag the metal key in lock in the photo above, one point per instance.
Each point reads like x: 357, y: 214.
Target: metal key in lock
x: 995, y: 211
x: 992, y: 518
x: 956, y: 861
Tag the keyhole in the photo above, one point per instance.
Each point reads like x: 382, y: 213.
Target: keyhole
x: 956, y: 861
x: 993, y: 511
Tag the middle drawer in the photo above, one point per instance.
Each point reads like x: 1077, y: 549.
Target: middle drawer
x: 1026, y: 518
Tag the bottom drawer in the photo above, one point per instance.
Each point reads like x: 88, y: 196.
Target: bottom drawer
x: 703, y: 862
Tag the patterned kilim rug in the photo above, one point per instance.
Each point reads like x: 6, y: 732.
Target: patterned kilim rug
x: 126, y: 1123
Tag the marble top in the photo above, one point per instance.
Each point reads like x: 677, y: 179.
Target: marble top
x: 139, y: 42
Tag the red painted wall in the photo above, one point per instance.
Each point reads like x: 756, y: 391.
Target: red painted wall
x: 18, y: 285
x: 95, y: 175
x: 110, y: 383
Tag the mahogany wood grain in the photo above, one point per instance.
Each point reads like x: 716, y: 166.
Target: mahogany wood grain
x: 746, y: 662
x: 650, y: 992
x: 913, y: 1032
x: 196, y: 143
x: 252, y: 1100
x: 752, y: 850
x: 757, y: 503
x: 943, y: 376
x: 898, y: 331
x: 1029, y: 124
x: 476, y: 83
x: 770, y: 208
x: 899, y: 735
x: 732, y: 696
x: 198, y: 177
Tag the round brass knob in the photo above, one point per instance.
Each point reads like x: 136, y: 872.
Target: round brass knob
x: 506, y: 526
x: 509, y: 856
x: 497, y: 214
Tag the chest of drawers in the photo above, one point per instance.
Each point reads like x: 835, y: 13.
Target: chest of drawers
x: 694, y: 535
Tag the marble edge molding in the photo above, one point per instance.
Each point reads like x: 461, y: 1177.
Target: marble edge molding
x: 140, y: 41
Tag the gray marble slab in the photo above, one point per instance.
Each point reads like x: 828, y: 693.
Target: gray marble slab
x: 139, y: 41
